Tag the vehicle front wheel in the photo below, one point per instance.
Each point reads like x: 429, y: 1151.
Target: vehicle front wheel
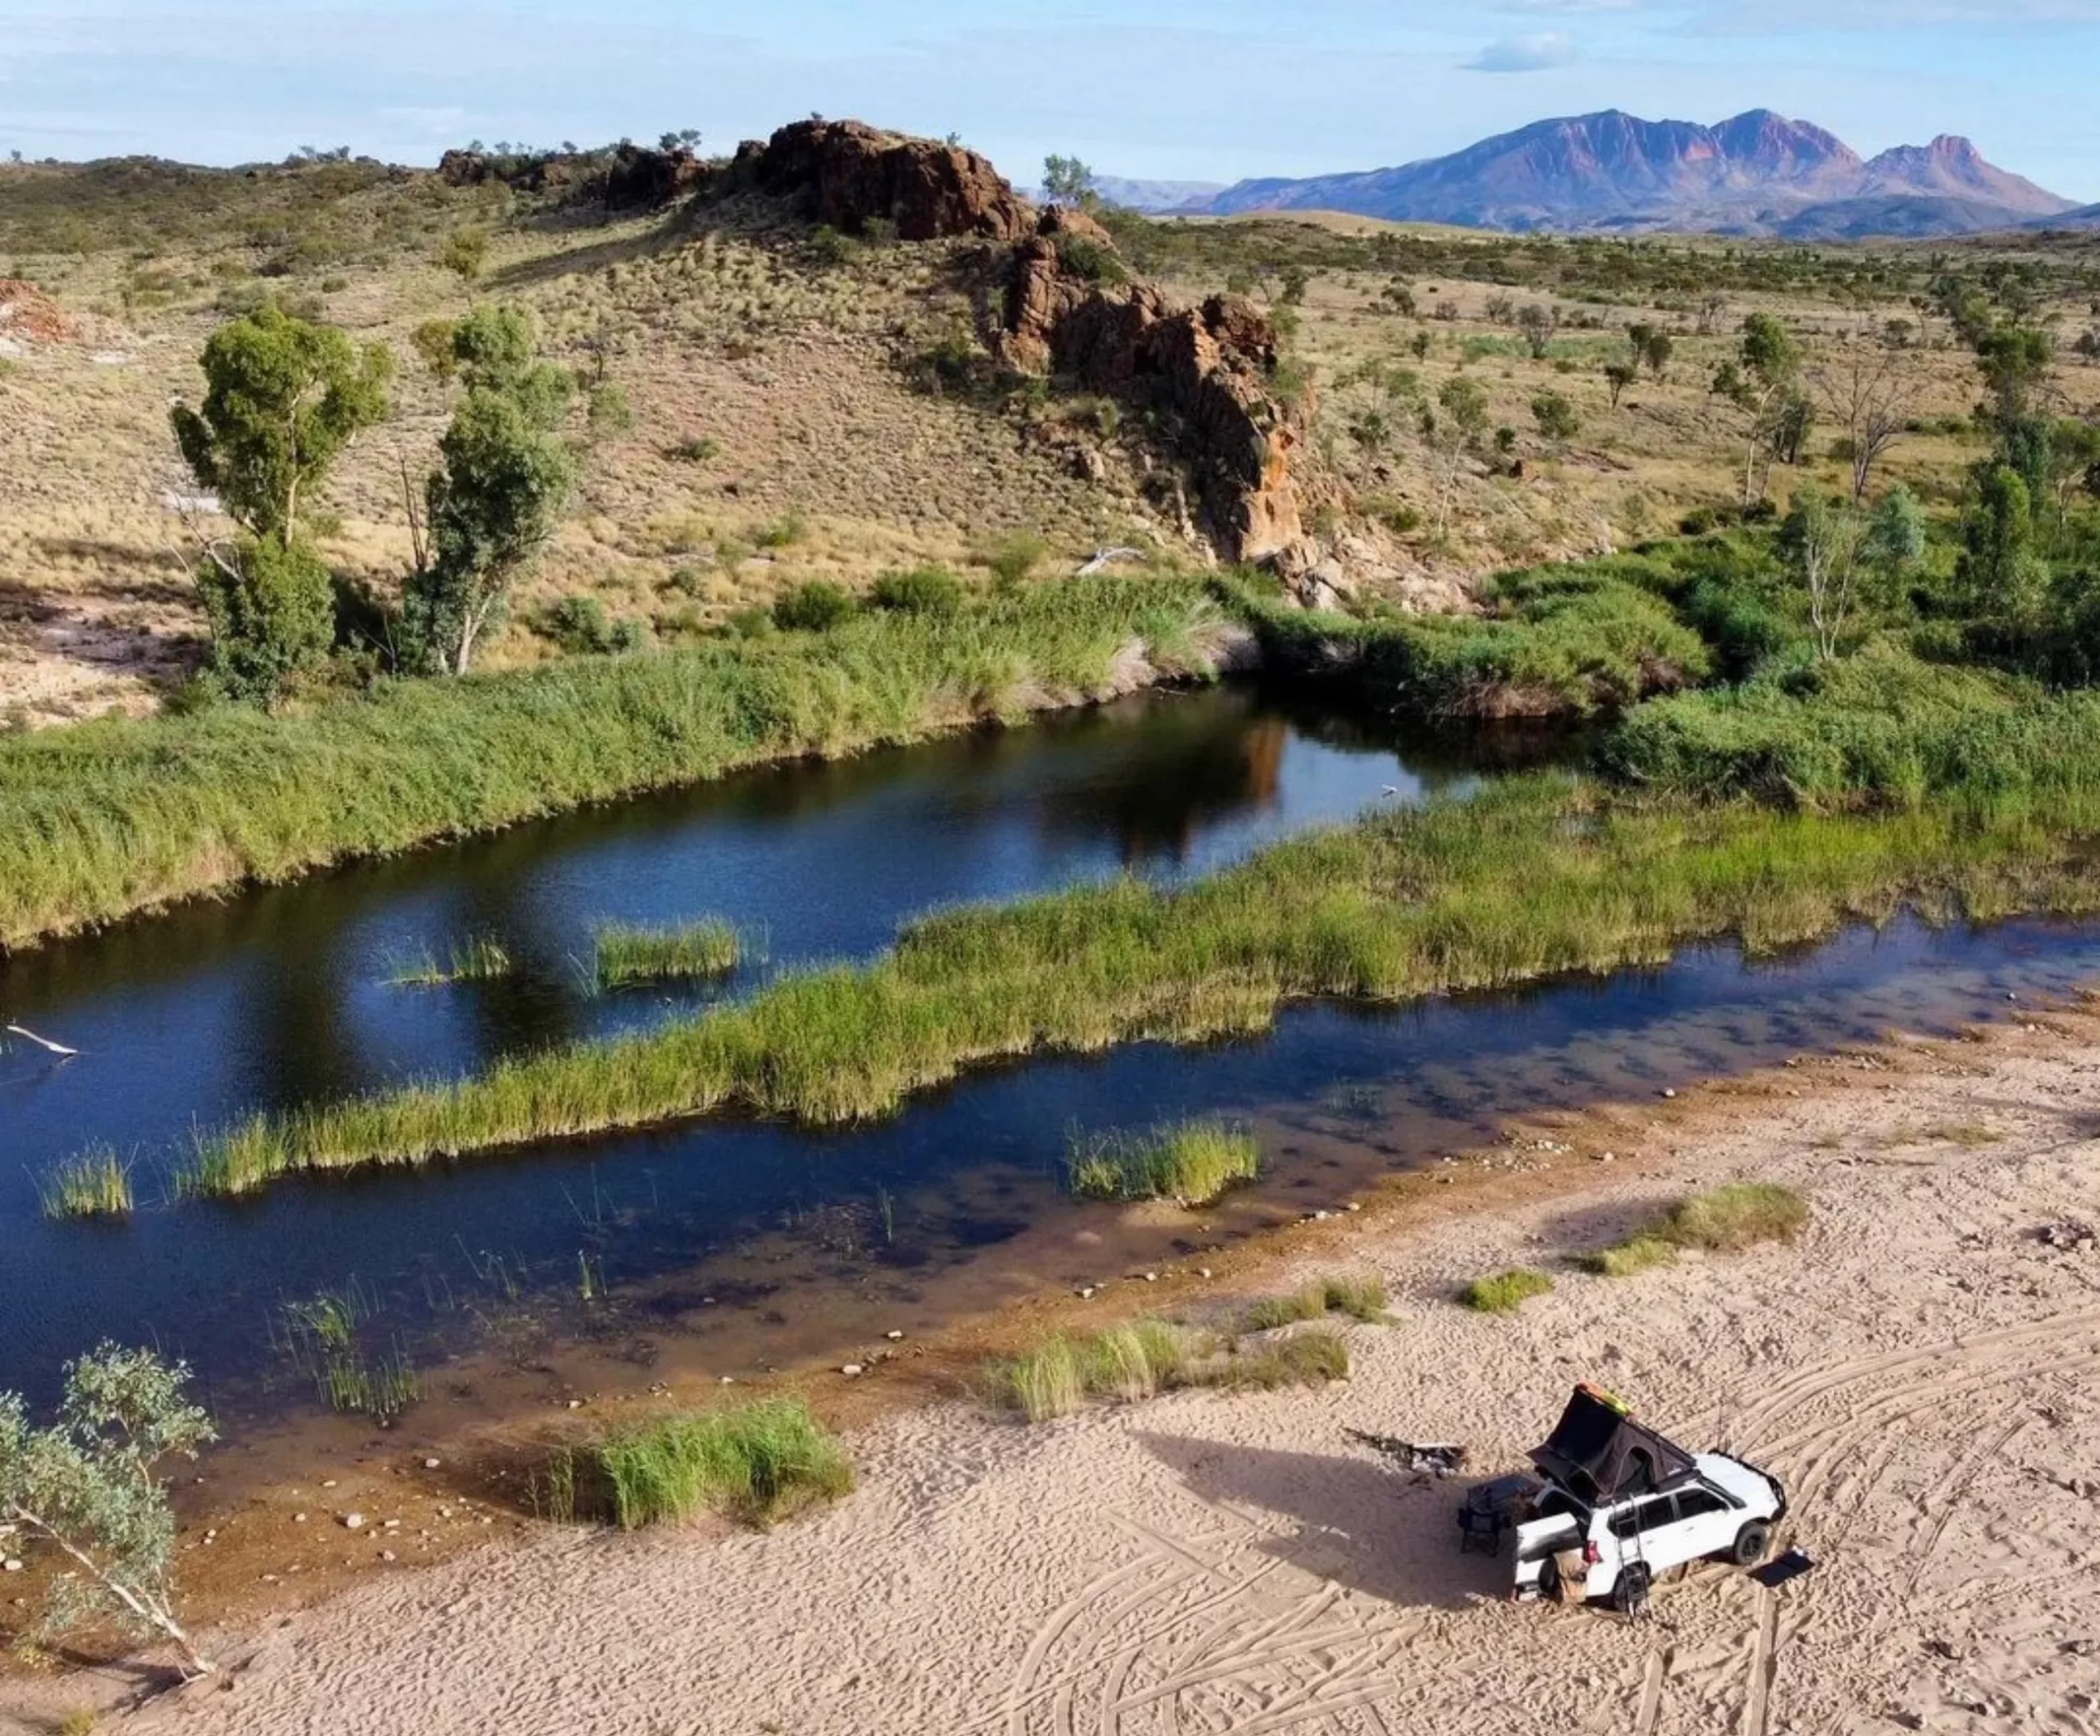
x: 1629, y: 1593
x: 1751, y: 1542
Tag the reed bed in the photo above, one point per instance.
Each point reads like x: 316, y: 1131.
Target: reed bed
x: 1533, y: 877
x: 107, y: 818
x: 1190, y: 1162
x: 756, y: 1462
x: 624, y: 958
x: 94, y: 1183
x: 1728, y: 1219
x: 478, y: 960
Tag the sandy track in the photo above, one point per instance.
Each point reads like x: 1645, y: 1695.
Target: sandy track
x: 1923, y: 1372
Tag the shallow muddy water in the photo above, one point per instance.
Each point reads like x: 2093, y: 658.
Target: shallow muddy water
x: 728, y: 1247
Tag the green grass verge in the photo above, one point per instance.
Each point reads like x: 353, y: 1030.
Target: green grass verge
x: 628, y: 957
x: 1565, y: 642
x: 1191, y: 1163
x: 1880, y: 729
x: 757, y: 1464
x: 1124, y: 1364
x: 104, y: 819
x: 1722, y: 1220
x: 1404, y: 904
x: 1505, y: 1292
x: 94, y: 1183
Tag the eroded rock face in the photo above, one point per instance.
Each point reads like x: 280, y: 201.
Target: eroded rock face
x: 1207, y: 370
x: 849, y: 175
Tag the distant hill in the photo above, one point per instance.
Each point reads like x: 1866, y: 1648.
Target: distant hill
x: 1759, y: 174
x: 1160, y: 197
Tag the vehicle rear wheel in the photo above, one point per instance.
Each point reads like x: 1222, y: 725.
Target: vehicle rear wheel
x: 1751, y: 1542
x: 1551, y: 1587
x: 1629, y: 1594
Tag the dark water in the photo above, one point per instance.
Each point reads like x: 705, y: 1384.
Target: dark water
x: 726, y: 1247
x: 282, y: 997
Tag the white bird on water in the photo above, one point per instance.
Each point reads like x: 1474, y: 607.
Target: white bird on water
x: 43, y: 1043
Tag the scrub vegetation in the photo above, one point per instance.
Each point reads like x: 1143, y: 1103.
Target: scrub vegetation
x: 1505, y: 1292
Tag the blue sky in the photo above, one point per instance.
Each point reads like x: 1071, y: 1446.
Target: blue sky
x: 1212, y: 89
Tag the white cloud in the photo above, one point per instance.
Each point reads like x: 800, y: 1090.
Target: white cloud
x: 1535, y: 53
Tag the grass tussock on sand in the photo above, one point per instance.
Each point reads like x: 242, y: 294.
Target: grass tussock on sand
x: 1394, y: 908
x: 112, y: 817
x: 1361, y: 1298
x: 757, y: 1464
x: 1191, y: 1163
x: 1505, y: 1292
x: 1724, y: 1220
x: 1125, y: 1363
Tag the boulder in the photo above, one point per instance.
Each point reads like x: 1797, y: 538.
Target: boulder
x: 849, y: 175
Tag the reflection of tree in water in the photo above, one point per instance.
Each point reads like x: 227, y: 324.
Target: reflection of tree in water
x: 1175, y: 779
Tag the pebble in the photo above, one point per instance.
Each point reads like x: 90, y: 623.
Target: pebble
x: 892, y: 1336
x: 1152, y: 1277
x: 353, y: 1522
x: 1203, y: 1271
x: 576, y: 1404
x: 432, y: 1465
x: 851, y: 1367
x: 386, y: 1555
x: 299, y: 1518
x: 11, y: 1565
x: 728, y: 1380
x: 329, y: 1484
x: 1668, y: 1093
x: 1086, y: 1292
x: 445, y: 1513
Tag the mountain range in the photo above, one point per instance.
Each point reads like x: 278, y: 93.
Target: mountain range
x: 1759, y: 174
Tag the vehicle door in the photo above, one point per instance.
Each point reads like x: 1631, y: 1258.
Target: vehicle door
x: 1705, y: 1523
x: 1641, y: 1531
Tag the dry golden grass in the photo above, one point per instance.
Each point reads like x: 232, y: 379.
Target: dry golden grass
x: 767, y: 386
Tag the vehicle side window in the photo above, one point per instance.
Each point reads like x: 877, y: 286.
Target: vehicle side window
x: 1646, y: 1516
x: 1698, y: 1503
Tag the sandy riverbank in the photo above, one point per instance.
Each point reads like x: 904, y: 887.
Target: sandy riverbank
x: 1922, y: 1370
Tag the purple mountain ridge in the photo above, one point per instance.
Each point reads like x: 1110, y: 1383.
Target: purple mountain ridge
x: 1757, y: 174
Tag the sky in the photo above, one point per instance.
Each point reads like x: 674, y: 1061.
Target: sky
x: 1186, y: 89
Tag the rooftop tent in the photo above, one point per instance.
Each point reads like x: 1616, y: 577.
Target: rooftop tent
x: 1598, y: 1453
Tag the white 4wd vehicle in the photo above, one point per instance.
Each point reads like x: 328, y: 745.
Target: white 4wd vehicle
x: 1619, y: 1505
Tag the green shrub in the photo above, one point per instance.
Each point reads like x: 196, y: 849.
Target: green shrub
x: 1014, y: 557
x: 925, y: 590
x: 757, y: 1462
x: 814, y: 606
x: 1505, y: 1292
x: 783, y: 532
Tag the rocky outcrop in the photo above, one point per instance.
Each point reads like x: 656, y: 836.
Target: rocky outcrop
x: 629, y: 177
x: 1206, y: 374
x: 849, y: 175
